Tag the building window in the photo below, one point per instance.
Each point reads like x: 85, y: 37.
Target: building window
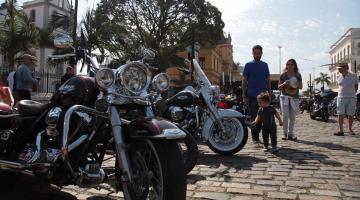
x: 348, y: 47
x: 32, y: 16
x: 341, y: 57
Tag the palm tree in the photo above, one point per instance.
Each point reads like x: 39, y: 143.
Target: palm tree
x: 324, y: 78
x: 19, y: 33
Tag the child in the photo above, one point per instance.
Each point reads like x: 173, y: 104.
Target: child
x: 266, y: 117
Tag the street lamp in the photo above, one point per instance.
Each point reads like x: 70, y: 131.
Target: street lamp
x: 279, y: 46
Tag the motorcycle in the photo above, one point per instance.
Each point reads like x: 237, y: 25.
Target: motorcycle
x: 357, y: 113
x: 64, y: 141
x: 194, y: 109
x: 320, y: 104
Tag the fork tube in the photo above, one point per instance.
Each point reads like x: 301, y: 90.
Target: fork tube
x: 121, y: 152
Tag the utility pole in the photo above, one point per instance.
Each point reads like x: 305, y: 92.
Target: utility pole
x: 279, y: 59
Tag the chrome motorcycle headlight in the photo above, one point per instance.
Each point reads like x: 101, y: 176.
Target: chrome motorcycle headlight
x: 135, y: 77
x: 105, y: 78
x: 215, y: 91
x: 161, y: 82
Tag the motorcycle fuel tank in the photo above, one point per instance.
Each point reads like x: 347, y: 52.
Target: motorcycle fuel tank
x: 79, y: 90
x: 182, y: 99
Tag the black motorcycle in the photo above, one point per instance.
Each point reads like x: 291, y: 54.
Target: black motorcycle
x: 357, y: 113
x: 63, y: 142
x: 195, y: 110
x: 321, y: 103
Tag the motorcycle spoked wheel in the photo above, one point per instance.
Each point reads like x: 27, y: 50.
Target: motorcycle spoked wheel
x: 229, y: 142
x: 189, y: 151
x: 158, y: 171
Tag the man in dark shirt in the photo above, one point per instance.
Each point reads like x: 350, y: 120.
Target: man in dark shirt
x: 256, y: 79
x: 68, y: 75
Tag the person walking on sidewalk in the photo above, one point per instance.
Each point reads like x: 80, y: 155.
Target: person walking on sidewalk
x: 24, y: 80
x: 256, y: 79
x: 266, y: 118
x: 289, y: 83
x: 346, y: 100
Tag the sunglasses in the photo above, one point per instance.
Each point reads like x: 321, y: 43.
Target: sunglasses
x: 289, y: 64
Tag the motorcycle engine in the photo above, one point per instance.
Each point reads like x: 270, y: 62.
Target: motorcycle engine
x: 6, y: 137
x: 177, y: 114
x: 52, y: 120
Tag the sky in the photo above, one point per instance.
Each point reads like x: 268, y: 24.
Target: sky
x: 305, y: 29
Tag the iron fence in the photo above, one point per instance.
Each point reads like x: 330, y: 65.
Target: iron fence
x: 48, y: 81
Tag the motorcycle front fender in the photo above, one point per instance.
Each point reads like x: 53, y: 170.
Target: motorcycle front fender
x: 154, y: 128
x: 224, y: 113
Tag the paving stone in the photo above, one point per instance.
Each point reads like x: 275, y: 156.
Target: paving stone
x: 290, y: 189
x: 242, y: 197
x: 264, y: 177
x: 281, y: 195
x: 211, y: 195
x: 314, y: 197
x: 268, y: 182
x: 314, y: 180
x: 355, y: 188
x: 325, y: 192
x: 211, y: 189
x: 279, y: 173
x: 244, y: 191
x: 266, y: 188
x: 236, y: 185
x: 332, y: 187
x: 352, y: 194
x: 297, y: 184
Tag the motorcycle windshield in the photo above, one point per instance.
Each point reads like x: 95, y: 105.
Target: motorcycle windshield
x: 200, y: 74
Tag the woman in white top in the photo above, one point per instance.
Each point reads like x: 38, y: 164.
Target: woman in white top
x: 290, y: 83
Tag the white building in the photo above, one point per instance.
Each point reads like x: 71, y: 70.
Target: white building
x: 39, y: 12
x: 345, y: 50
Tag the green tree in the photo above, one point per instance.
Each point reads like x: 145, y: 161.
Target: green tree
x: 322, y: 79
x: 166, y: 26
x: 19, y: 33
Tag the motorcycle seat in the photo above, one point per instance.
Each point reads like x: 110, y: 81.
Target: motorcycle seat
x: 30, y: 107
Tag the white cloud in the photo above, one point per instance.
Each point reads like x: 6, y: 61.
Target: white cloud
x: 310, y: 24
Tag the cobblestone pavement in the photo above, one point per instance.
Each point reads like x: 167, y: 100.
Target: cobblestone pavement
x: 317, y: 166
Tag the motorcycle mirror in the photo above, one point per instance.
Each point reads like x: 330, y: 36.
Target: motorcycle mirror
x: 149, y: 54
x: 63, y: 42
x: 187, y: 63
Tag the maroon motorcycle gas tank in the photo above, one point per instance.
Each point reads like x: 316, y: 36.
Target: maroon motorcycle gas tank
x: 5, y: 108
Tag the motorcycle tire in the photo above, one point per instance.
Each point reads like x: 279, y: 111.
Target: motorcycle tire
x: 212, y: 145
x: 154, y: 162
x: 313, y: 116
x: 325, y: 117
x: 357, y: 113
x: 189, y: 150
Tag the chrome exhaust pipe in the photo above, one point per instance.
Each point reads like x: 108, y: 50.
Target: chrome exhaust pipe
x: 9, y: 165
x: 4, y: 164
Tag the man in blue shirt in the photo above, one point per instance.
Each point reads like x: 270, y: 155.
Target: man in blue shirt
x: 24, y: 79
x: 256, y: 79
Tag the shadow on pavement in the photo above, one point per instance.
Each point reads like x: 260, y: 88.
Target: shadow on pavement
x: 238, y: 162
x: 331, y: 146
x: 301, y: 157
x: 221, y: 166
x: 26, y: 187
